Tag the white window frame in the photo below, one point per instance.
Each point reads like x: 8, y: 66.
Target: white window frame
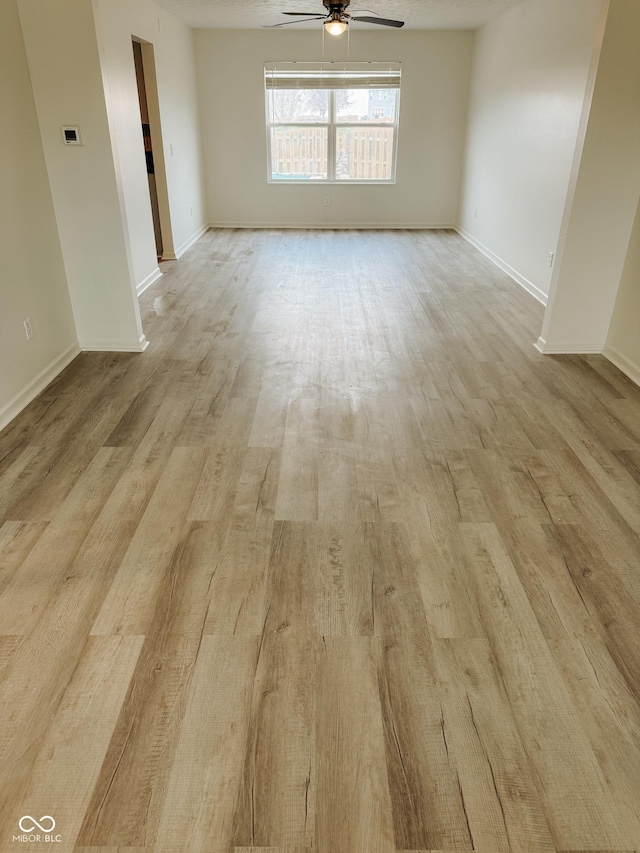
x: 333, y: 126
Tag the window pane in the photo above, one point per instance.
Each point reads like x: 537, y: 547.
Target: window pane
x: 299, y: 153
x: 364, y: 153
x: 373, y: 105
x: 298, y: 105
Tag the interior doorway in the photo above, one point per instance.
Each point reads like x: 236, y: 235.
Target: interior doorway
x: 154, y: 155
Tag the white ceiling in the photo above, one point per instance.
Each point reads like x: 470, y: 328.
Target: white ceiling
x: 417, y: 14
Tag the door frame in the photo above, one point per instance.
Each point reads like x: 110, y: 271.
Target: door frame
x: 159, y: 162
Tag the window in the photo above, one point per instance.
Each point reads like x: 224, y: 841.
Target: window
x: 332, y: 123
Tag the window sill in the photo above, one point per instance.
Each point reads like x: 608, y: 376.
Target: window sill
x: 309, y: 183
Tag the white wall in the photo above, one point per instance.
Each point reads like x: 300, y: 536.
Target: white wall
x: 32, y: 277
x: 600, y: 219
x: 176, y: 67
x: 118, y: 21
x: 436, y: 67
x: 623, y: 343
x: 530, y: 73
x: 82, y: 70
x: 62, y: 53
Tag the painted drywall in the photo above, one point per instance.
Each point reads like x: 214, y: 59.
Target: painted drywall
x: 64, y: 65
x: 178, y: 92
x: 530, y: 73
x: 179, y: 148
x: 623, y: 342
x: 33, y: 281
x: 436, y: 67
x: 599, y: 221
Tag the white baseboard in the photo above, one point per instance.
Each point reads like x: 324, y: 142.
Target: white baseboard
x: 529, y: 286
x: 540, y: 345
x: 569, y: 347
x: 626, y: 365
x: 115, y: 346
x: 336, y: 226
x: 148, y: 281
x: 21, y: 400
x: 179, y: 252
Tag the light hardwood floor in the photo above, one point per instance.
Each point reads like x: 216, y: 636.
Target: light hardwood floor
x: 340, y: 563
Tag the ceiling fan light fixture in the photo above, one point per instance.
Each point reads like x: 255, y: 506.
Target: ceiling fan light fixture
x: 335, y: 27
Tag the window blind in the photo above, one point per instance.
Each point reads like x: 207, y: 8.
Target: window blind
x: 299, y: 75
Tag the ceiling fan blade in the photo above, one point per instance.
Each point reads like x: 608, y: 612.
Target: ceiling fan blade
x: 288, y: 23
x: 307, y: 14
x: 384, y: 22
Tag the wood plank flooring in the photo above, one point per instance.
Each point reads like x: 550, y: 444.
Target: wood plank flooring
x: 341, y: 563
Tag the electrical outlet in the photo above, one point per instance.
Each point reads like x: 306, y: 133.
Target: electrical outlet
x: 475, y: 215
x: 171, y: 149
x: 327, y: 201
x: 27, y: 328
x: 551, y: 258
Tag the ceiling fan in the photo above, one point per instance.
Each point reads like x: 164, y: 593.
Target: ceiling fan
x: 337, y: 18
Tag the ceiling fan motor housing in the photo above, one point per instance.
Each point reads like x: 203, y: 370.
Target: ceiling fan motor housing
x: 336, y: 8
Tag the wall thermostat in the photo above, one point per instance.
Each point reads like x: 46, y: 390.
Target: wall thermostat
x: 71, y: 135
